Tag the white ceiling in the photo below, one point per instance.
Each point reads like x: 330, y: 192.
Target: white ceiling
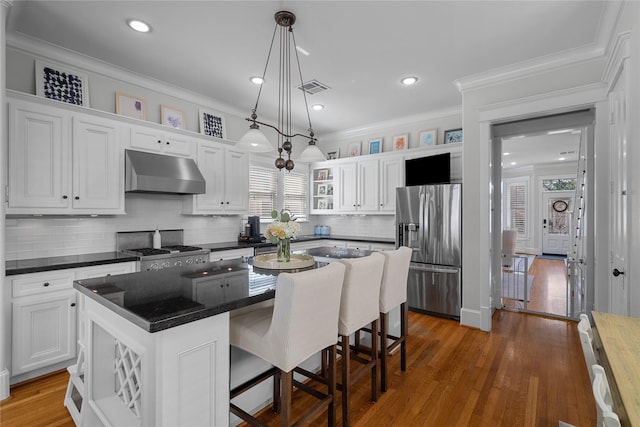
x: 541, y: 149
x: 360, y: 49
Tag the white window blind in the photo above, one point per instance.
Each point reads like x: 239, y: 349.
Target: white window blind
x: 296, y: 193
x: 263, y: 186
x: 518, y: 207
x: 263, y: 191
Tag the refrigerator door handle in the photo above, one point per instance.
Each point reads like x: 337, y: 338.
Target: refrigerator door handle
x: 423, y: 245
x: 432, y: 269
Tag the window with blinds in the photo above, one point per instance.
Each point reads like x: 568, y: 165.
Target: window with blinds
x: 296, y: 193
x: 263, y: 191
x: 517, y: 206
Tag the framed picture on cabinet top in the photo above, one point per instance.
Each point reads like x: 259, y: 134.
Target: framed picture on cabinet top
x: 172, y: 116
x: 131, y: 106
x: 401, y: 142
x: 354, y: 149
x: 323, y: 174
x: 331, y: 155
x: 428, y: 137
x: 62, y: 83
x: 212, y: 123
x: 375, y: 145
x: 453, y: 135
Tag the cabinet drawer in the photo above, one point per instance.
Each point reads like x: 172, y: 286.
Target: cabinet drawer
x: 37, y: 283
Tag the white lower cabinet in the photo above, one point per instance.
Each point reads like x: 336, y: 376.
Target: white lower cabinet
x: 44, y: 330
x: 230, y: 254
x: 45, y: 310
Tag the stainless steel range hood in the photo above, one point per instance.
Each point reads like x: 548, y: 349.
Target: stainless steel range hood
x: 157, y: 173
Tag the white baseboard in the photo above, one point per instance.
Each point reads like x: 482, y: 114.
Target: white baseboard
x: 5, y: 389
x: 470, y: 318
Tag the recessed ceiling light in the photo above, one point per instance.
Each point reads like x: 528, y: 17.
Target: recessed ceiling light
x: 562, y: 158
x: 513, y: 163
x: 302, y: 51
x: 138, y: 25
x: 505, y: 154
x: 256, y: 80
x: 317, y: 107
x: 408, y: 81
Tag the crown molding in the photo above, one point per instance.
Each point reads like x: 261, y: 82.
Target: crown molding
x: 404, y: 121
x: 620, y: 50
x: 529, y: 68
x: 597, y: 50
x: 45, y: 50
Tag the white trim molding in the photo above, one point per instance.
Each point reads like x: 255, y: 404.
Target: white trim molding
x: 595, y: 51
x: 620, y: 51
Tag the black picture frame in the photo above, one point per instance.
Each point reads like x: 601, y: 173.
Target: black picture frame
x: 452, y: 136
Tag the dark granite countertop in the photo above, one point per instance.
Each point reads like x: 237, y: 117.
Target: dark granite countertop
x: 36, y: 265
x: 222, y: 246
x: 158, y: 300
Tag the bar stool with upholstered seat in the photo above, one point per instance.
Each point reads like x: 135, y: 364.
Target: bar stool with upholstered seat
x: 302, y: 322
x: 359, y: 307
x: 393, y: 293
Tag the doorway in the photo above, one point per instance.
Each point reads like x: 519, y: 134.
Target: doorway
x: 557, y: 207
x: 529, y: 153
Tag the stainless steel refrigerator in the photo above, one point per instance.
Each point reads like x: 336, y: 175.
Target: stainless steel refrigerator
x: 429, y: 221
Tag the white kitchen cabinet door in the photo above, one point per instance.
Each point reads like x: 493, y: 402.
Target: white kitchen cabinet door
x: 348, y: 186
x: 226, y: 173
x: 358, y: 185
x: 236, y: 181
x: 157, y: 141
x: 358, y: 245
x: 391, y: 177
x: 98, y: 171
x: 39, y: 173
x: 368, y: 187
x: 44, y: 330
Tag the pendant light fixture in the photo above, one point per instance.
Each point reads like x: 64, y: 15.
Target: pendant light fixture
x: 254, y: 139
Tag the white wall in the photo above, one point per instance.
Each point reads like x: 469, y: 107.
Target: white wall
x: 476, y: 170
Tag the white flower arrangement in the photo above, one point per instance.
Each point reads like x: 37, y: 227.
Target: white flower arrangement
x: 283, y: 228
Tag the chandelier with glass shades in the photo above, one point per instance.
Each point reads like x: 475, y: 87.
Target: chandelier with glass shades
x: 254, y: 139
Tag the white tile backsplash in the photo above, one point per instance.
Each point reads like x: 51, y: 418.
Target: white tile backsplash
x: 36, y: 237
x: 358, y: 226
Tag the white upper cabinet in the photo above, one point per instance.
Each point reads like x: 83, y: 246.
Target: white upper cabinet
x: 160, y: 141
x: 226, y: 172
x: 391, y: 177
x: 358, y: 184
x: 62, y: 162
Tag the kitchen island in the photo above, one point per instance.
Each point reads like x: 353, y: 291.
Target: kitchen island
x: 157, y: 344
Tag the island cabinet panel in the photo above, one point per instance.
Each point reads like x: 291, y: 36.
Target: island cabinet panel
x: 177, y: 376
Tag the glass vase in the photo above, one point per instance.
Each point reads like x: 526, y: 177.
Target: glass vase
x: 284, y: 250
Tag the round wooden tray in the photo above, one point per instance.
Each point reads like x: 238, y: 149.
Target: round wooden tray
x: 270, y: 262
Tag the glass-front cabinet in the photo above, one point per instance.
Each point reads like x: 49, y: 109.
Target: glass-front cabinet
x: 322, y: 189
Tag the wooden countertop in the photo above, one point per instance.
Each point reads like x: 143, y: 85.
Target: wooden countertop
x: 620, y: 338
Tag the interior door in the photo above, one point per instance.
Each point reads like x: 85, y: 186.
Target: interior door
x: 619, y: 285
x: 556, y: 221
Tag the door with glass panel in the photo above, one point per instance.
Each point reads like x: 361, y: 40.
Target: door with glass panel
x: 556, y: 221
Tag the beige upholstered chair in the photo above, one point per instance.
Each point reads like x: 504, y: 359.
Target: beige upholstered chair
x: 603, y: 398
x: 587, y: 346
x: 359, y: 307
x: 302, y: 322
x: 393, y: 293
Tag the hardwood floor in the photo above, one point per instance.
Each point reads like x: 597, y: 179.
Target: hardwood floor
x: 549, y: 287
x: 529, y: 371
